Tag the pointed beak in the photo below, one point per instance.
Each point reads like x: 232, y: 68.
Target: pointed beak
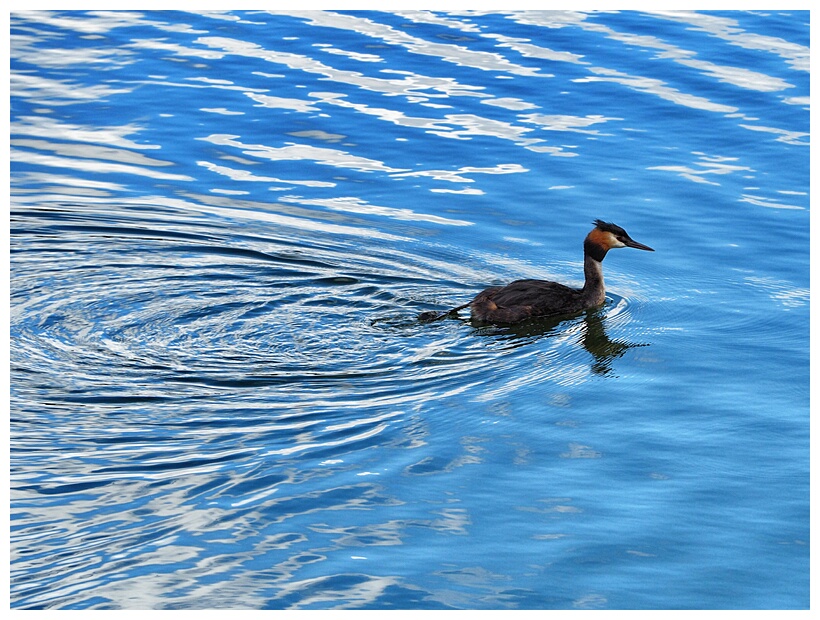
x: 638, y: 246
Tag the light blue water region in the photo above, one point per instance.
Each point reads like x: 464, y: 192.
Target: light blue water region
x: 223, y: 227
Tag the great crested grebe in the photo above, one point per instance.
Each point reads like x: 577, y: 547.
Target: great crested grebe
x: 525, y: 299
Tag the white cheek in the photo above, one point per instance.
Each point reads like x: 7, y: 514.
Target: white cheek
x: 614, y: 242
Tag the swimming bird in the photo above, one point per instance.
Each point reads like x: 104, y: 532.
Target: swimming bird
x: 526, y: 299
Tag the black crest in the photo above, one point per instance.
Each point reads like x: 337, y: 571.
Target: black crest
x: 610, y: 227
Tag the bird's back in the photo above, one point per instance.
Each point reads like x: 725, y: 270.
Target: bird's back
x: 525, y: 299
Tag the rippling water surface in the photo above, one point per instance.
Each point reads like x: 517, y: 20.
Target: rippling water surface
x: 223, y: 226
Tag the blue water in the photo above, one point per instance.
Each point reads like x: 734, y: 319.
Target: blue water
x: 223, y: 226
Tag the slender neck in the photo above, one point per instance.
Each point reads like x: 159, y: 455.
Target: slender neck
x: 593, y: 291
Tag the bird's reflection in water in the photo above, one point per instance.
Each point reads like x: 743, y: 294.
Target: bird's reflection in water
x: 594, y: 338
x: 600, y: 346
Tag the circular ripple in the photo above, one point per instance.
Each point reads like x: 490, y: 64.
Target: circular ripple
x: 166, y: 344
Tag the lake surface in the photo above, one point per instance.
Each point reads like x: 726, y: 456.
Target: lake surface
x: 223, y: 227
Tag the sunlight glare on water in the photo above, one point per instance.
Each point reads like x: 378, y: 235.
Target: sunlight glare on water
x: 224, y: 225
